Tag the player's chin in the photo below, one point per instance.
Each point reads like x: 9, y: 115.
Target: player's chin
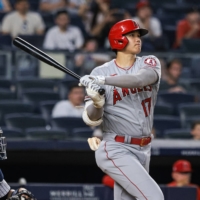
x: 137, y: 50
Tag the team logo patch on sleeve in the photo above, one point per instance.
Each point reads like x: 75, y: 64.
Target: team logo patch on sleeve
x: 150, y: 61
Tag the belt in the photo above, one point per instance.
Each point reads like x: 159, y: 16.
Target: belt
x: 139, y: 141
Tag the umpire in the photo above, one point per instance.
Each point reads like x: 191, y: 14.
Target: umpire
x: 6, y: 193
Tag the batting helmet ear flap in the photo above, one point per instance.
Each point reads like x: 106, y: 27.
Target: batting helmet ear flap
x: 119, y: 42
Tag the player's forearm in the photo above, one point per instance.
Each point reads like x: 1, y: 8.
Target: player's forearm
x: 94, y: 113
x: 143, y: 78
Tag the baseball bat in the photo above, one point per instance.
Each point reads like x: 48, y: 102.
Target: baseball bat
x: 30, y: 49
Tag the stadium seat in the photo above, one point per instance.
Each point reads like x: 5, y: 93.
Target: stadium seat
x: 162, y: 123
x: 42, y: 133
x: 5, y: 83
x: 36, y: 40
x: 170, y: 31
x: 63, y: 87
x: 177, y: 134
x: 36, y: 96
x: 46, y: 109
x: 163, y: 109
x: 12, y: 133
x: 11, y: 106
x: 188, y: 110
x: 190, y: 45
x: 5, y: 41
x: 195, y: 70
x: 194, y: 85
x: 68, y: 123
x: 34, y: 5
x: 175, y: 99
x: 5, y: 62
x: 6, y: 95
x: 49, y: 20
x: 24, y: 121
x: 34, y: 83
x: 82, y: 133
x: 76, y: 20
x: 189, y: 121
x: 185, y: 74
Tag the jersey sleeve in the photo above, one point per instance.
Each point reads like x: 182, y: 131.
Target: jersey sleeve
x: 152, y: 62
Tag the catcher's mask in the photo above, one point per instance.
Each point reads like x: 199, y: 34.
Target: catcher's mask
x: 2, y: 146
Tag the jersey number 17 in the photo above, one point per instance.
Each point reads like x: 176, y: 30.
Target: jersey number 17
x: 146, y: 102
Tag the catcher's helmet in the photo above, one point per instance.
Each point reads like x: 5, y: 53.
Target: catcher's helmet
x: 2, y: 146
x: 116, y: 35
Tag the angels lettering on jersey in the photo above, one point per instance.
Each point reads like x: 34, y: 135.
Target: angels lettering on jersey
x: 127, y: 91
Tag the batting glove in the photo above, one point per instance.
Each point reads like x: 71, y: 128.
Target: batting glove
x: 99, y: 80
x: 94, y: 143
x: 92, y: 92
x: 85, y: 80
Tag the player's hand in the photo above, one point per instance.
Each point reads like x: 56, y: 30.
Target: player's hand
x: 94, y: 143
x: 99, y: 80
x: 85, y: 80
x: 92, y: 92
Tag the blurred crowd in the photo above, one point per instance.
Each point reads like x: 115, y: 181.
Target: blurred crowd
x: 68, y: 24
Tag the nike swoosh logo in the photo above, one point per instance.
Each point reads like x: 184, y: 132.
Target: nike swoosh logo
x: 113, y: 74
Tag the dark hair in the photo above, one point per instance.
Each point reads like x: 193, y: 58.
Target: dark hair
x: 19, y: 1
x: 60, y: 12
x: 192, y: 10
x: 175, y: 60
x: 73, y: 85
x: 194, y: 124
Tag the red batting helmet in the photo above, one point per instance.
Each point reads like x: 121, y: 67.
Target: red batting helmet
x: 116, y: 35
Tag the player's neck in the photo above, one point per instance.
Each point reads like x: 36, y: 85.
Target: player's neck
x: 125, y: 60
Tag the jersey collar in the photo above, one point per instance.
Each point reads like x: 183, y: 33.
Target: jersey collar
x: 124, y: 68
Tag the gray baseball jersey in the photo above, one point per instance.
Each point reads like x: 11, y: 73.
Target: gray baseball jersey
x: 128, y: 112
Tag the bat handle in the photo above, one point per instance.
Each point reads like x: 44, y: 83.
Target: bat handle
x: 101, y: 91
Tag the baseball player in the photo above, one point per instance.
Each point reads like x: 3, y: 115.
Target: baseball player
x: 125, y: 111
x: 6, y: 193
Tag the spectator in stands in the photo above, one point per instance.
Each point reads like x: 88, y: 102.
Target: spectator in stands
x: 73, y: 107
x: 22, y: 21
x: 195, y: 130
x: 79, y: 7
x: 89, y: 58
x: 181, y: 175
x: 171, y: 82
x: 145, y: 19
x: 100, y: 30
x: 63, y: 35
x: 52, y: 5
x: 99, y: 9
x: 188, y: 28
x: 5, y: 6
